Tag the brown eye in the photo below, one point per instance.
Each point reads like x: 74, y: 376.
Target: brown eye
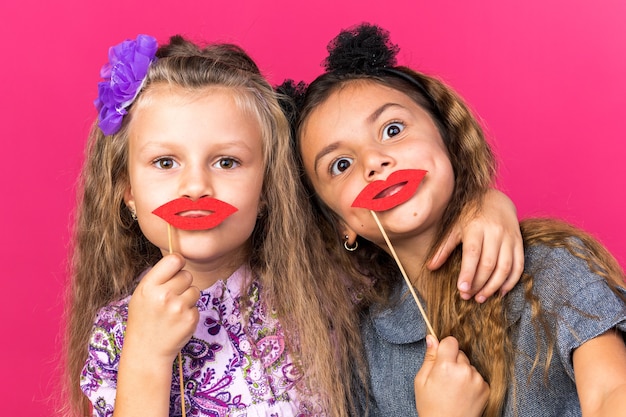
x: 392, y: 130
x: 165, y: 163
x: 227, y: 163
x: 340, y: 165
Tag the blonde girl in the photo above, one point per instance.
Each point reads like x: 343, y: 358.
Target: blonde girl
x: 204, y: 123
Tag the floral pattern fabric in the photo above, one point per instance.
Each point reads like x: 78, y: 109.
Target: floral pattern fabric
x: 228, y: 369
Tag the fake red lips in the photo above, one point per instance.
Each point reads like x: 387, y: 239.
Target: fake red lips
x: 383, y: 195
x: 186, y: 214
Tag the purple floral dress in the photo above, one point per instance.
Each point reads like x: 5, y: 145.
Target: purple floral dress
x: 229, y: 369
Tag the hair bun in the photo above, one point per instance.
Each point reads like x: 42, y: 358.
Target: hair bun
x: 364, y: 49
x: 290, y: 98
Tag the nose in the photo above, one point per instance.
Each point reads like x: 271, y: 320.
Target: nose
x: 195, y: 182
x: 376, y: 163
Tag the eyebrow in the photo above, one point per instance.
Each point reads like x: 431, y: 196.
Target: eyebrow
x: 370, y: 119
x: 376, y: 113
x: 325, y: 151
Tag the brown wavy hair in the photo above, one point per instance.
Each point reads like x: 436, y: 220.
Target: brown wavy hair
x: 109, y: 251
x: 480, y: 328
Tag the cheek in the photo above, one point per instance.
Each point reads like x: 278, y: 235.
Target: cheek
x: 447, y: 174
x: 147, y: 201
x: 347, y: 197
x: 341, y: 200
x: 338, y: 195
x: 248, y: 200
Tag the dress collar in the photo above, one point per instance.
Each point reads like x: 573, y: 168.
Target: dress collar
x: 399, y: 322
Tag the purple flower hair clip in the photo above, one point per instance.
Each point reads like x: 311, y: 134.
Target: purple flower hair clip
x: 123, y: 76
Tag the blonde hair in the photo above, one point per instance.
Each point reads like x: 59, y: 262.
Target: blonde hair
x: 308, y: 295
x: 480, y: 328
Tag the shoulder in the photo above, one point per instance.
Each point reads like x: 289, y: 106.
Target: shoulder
x: 116, y: 311
x: 558, y: 270
x: 565, y: 286
x: 572, y: 293
x: 575, y: 303
x: 109, y: 327
x: 104, y: 350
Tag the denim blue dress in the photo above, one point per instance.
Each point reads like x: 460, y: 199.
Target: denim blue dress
x: 581, y: 307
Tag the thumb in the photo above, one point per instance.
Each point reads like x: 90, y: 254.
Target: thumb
x: 445, y: 249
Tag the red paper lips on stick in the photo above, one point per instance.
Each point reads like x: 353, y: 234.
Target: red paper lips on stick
x: 383, y: 195
x: 171, y: 213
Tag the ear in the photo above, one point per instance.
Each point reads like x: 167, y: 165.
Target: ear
x: 262, y: 207
x: 129, y: 199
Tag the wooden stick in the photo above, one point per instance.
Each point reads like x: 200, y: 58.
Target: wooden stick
x: 169, y: 236
x: 180, y: 356
x: 406, y: 278
x: 182, y: 384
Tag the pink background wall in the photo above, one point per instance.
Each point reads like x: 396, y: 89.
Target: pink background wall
x: 547, y: 77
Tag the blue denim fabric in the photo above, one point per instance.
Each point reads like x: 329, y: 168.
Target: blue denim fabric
x: 581, y: 307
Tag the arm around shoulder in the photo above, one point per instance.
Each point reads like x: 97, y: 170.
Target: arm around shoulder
x: 493, y: 252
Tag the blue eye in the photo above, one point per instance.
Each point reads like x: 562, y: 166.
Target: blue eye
x: 226, y: 163
x: 340, y: 165
x: 392, y: 129
x: 165, y: 163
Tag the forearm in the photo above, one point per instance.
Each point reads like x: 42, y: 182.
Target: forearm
x: 613, y: 405
x: 600, y: 370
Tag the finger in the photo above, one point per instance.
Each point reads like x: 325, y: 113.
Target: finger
x: 462, y: 358
x: 517, y: 269
x: 165, y: 269
x: 431, y: 346
x: 448, y: 350
x: 429, y: 361
x: 470, y: 258
x: 431, y: 350
x: 191, y: 296
x: 508, y: 270
x: 498, y: 276
x: 494, y: 266
x: 189, y: 299
x: 443, y: 252
x: 179, y: 283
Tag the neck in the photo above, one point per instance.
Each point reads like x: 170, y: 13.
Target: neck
x: 204, y: 276
x: 412, y: 253
x: 206, y: 272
